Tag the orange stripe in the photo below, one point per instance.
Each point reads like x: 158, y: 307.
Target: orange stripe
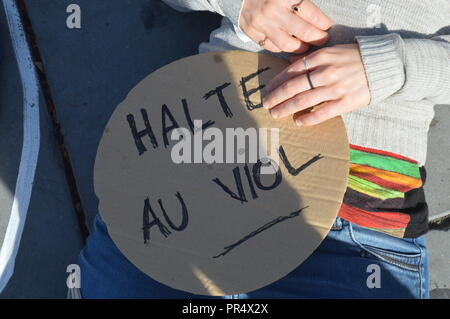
x: 392, y: 177
x: 386, y: 220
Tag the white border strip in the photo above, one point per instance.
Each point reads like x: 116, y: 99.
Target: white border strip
x: 30, y: 147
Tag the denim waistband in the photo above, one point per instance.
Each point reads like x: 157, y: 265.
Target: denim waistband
x: 338, y: 224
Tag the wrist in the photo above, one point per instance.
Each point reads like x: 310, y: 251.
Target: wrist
x: 232, y: 9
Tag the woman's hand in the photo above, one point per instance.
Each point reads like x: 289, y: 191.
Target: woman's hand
x: 339, y: 79
x: 275, y: 25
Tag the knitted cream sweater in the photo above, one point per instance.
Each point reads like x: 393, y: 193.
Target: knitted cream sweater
x: 405, y: 47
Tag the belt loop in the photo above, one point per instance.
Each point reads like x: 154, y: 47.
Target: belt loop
x: 337, y: 225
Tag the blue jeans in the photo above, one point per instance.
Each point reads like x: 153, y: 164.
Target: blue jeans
x: 346, y: 265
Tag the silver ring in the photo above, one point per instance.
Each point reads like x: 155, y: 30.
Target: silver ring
x: 308, y: 76
x: 305, y: 63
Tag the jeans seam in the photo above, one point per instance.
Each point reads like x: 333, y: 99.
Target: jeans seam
x: 421, y: 288
x: 392, y: 262
x: 398, y: 254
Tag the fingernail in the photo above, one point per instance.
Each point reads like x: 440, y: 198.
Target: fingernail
x: 298, y: 122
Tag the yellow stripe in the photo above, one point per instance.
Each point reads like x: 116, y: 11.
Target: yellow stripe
x: 371, y: 189
x: 400, y: 232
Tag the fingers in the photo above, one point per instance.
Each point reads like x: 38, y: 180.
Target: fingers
x: 313, y: 15
x: 320, y: 114
x: 301, y: 29
x: 296, y: 84
x: 295, y: 69
x: 284, y: 41
x: 333, y: 82
x: 302, y: 102
x: 270, y: 46
x: 285, y: 91
x: 295, y: 58
x: 282, y: 27
x: 258, y: 36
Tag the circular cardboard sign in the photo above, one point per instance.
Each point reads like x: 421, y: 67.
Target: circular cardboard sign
x: 183, y: 194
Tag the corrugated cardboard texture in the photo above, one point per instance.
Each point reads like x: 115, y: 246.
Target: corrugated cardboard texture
x: 225, y: 246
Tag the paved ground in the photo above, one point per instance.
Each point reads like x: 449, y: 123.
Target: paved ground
x: 438, y: 196
x: 51, y: 239
x: 116, y: 48
x: 118, y: 45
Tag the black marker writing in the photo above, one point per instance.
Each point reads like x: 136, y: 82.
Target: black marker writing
x: 248, y: 93
x: 148, y: 211
x: 295, y: 171
x: 257, y: 177
x: 165, y: 113
x: 223, y: 103
x: 266, y: 226
x: 187, y: 114
x: 237, y: 179
x: 137, y: 136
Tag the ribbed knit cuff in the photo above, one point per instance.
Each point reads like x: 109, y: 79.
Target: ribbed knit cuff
x: 382, y: 59
x: 232, y: 9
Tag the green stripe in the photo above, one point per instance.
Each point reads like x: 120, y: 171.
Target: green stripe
x: 385, y: 163
x: 372, y: 189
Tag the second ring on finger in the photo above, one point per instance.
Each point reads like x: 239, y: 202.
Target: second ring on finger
x: 264, y: 41
x: 292, y: 87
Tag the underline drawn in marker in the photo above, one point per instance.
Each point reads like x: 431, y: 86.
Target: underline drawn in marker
x: 266, y: 226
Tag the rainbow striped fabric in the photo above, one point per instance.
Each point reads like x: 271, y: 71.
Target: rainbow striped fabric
x: 385, y: 193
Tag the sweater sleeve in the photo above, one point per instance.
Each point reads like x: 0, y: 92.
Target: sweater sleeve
x: 409, y: 69
x: 227, y: 8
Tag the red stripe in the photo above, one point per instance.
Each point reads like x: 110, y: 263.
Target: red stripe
x: 385, y: 220
x: 383, y: 183
x: 384, y: 153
